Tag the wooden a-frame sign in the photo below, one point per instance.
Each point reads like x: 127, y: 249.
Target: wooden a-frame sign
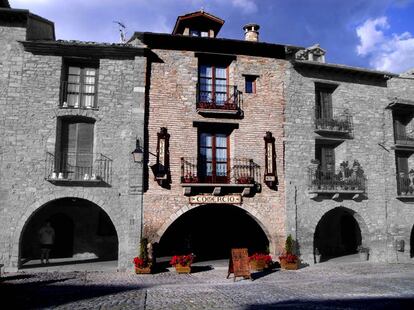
x: 239, y: 264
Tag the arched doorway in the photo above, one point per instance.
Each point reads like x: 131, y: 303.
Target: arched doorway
x: 337, y: 234
x: 83, y: 231
x: 210, y: 231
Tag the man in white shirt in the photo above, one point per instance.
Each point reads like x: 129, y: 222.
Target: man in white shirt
x: 46, y: 238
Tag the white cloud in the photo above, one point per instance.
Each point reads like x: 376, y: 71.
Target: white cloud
x: 393, y: 52
x: 370, y: 34
x: 247, y: 6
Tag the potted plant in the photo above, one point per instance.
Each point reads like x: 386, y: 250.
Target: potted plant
x: 182, y: 263
x: 289, y: 260
x: 142, y: 263
x: 363, y: 252
x: 260, y: 261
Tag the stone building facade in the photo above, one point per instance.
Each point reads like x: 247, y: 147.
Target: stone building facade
x: 71, y: 113
x: 339, y: 122
x: 192, y: 112
x: 243, y: 143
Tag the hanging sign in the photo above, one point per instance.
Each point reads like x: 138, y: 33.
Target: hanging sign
x: 228, y: 199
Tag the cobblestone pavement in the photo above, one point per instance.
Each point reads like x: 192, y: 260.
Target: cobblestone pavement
x: 324, y: 286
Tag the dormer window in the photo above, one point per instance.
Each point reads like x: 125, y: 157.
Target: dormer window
x: 198, y: 24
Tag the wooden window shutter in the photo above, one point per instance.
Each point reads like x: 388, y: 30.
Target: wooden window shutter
x: 84, y: 152
x: 402, y: 164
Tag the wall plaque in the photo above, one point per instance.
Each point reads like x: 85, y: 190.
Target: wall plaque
x: 228, y: 199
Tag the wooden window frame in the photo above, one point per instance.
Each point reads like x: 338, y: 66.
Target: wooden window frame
x: 213, y: 66
x: 82, y: 65
x: 251, y: 79
x: 214, y: 178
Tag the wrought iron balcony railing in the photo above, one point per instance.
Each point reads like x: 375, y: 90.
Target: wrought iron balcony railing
x: 233, y: 171
x: 341, y: 182
x: 405, y: 184
x: 77, y: 96
x: 218, y: 97
x: 404, y: 139
x: 339, y: 122
x: 73, y: 167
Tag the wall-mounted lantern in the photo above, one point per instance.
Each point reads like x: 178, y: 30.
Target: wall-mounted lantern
x: 162, y: 165
x: 270, y: 177
x: 138, y: 153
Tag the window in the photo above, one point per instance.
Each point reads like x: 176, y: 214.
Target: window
x: 403, y: 128
x: 214, y: 157
x: 79, y: 87
x: 213, y: 86
x: 326, y: 156
x: 250, y: 84
x: 323, y: 94
x: 198, y: 33
x: 74, y: 148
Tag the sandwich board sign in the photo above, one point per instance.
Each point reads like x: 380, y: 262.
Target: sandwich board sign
x: 239, y: 264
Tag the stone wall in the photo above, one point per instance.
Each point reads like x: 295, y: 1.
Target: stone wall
x: 29, y: 88
x: 172, y: 104
x: 381, y: 217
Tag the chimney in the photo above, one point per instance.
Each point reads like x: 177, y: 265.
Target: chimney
x: 251, y: 32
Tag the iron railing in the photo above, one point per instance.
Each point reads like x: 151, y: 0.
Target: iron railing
x: 220, y: 97
x: 77, y: 96
x: 232, y: 171
x: 405, y: 184
x: 326, y: 181
x: 340, y: 121
x: 403, y: 138
x: 86, y: 167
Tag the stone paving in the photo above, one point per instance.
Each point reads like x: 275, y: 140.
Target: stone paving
x: 325, y: 286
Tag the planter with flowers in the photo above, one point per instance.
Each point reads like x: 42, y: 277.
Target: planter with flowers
x: 190, y: 178
x: 259, y: 261
x: 289, y: 260
x: 182, y: 263
x: 142, y: 263
x: 245, y: 180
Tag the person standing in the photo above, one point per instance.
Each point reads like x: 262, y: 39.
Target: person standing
x: 46, y: 238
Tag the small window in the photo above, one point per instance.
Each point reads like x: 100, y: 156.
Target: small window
x: 204, y: 34
x: 194, y: 33
x: 250, y: 84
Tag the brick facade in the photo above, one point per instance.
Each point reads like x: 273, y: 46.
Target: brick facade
x: 172, y: 100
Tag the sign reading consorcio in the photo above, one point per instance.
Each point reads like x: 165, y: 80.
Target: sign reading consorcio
x: 233, y: 199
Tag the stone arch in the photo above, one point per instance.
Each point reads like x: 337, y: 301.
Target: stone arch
x: 252, y: 213
x: 361, y: 225
x: 191, y: 231
x: 17, y: 235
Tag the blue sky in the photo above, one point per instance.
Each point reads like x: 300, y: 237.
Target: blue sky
x: 376, y: 34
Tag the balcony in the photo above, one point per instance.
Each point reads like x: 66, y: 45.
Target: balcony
x: 405, y: 185
x: 77, y: 96
x: 219, y: 99
x: 348, y: 181
x: 78, y: 169
x: 340, y: 124
x: 404, y: 142
x: 242, y: 175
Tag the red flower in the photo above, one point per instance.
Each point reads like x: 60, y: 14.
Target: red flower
x: 289, y: 258
x: 261, y: 257
x: 182, y: 260
x: 139, y: 263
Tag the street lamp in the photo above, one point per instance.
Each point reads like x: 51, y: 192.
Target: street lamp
x: 138, y: 153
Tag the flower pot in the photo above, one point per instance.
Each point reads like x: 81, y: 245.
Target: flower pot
x: 289, y: 265
x: 182, y: 269
x: 144, y: 270
x: 258, y: 265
